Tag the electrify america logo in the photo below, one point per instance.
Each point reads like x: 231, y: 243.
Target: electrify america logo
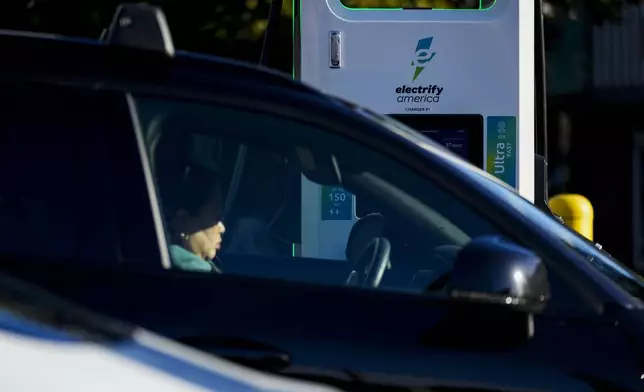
x: 423, y: 57
x: 420, y: 94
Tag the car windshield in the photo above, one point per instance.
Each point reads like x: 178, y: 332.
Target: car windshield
x: 623, y: 276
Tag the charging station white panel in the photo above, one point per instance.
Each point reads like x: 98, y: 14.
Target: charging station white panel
x: 416, y: 64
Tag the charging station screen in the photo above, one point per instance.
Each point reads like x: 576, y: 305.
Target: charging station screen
x: 460, y: 133
x: 455, y: 140
x: 481, y: 5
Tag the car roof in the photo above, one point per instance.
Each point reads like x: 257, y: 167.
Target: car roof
x: 26, y: 48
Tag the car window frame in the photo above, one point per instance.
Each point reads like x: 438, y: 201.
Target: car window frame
x: 593, y: 299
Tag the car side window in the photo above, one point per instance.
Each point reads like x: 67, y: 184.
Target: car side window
x: 253, y: 194
x: 56, y: 190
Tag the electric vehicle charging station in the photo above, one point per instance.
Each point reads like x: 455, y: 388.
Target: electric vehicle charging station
x: 464, y: 77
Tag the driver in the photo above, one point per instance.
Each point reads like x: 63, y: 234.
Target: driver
x: 194, y: 222
x: 191, y: 196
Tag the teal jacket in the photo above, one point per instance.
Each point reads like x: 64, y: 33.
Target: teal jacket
x: 185, y: 260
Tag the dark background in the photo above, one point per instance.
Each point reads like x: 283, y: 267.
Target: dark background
x: 230, y: 28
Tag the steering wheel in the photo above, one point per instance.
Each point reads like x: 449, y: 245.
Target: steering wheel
x: 371, y: 265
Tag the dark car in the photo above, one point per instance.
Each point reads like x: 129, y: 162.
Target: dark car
x: 449, y: 281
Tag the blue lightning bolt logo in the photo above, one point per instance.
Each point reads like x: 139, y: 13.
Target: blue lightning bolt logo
x: 423, y: 56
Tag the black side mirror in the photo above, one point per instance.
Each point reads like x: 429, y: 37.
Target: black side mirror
x: 496, y: 287
x: 499, y: 271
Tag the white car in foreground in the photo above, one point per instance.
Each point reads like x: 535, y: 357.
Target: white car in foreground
x: 48, y: 345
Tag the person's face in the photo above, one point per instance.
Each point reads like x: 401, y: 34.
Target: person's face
x: 205, y: 230
x: 206, y: 242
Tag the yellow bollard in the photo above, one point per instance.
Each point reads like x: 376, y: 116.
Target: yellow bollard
x: 576, y: 212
